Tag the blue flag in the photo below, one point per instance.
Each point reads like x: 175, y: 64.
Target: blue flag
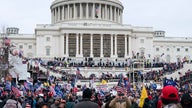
x: 59, y: 92
x: 154, y: 86
x: 168, y: 82
x: 8, y: 86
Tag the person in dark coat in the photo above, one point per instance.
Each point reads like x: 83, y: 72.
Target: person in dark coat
x: 86, y: 103
x: 186, y: 101
x: 70, y: 103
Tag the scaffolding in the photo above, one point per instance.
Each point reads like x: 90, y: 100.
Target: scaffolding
x: 136, y: 70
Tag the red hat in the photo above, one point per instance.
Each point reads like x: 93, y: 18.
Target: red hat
x: 170, y: 93
x: 150, y: 97
x: 50, y: 94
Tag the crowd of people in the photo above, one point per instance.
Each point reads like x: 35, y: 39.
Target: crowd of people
x: 167, y: 68
x: 51, y: 93
x: 123, y: 95
x: 89, y: 62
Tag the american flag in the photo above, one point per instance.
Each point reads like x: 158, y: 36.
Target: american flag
x: 15, y: 90
x: 78, y: 71
x: 27, y: 85
x: 121, y: 89
x: 36, y: 63
x: 51, y: 89
x: 7, y: 41
x: 20, y: 53
x: 96, y: 11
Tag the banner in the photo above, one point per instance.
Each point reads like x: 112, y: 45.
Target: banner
x: 103, y: 87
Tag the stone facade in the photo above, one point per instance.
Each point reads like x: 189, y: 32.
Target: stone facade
x: 94, y: 28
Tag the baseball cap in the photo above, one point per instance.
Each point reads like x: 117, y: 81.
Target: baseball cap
x: 170, y: 93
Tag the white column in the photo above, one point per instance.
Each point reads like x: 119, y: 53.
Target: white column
x: 93, y: 11
x: 68, y: 7
x: 111, y: 13
x: 81, y: 45
x: 87, y: 10
x: 101, y: 46
x: 61, y: 45
x: 130, y: 46
x: 81, y: 12
x: 67, y: 45
x: 103, y: 12
x: 70, y: 12
x: 52, y: 16
x: 74, y: 11
x: 125, y: 46
x: 77, y: 45
x: 121, y: 17
x: 116, y: 45
x: 99, y: 16
x: 111, y: 45
x: 118, y: 15
x: 91, y: 45
x: 115, y: 15
x: 59, y: 12
x: 106, y: 12
x: 63, y: 13
x: 56, y: 14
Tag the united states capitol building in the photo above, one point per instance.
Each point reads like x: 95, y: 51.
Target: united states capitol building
x: 82, y: 29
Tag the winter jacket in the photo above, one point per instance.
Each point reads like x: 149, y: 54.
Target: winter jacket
x: 173, y: 106
x: 86, y: 103
x: 124, y: 103
x: 70, y: 105
x: 12, y: 104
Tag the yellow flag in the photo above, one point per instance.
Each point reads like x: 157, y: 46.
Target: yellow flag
x: 104, y: 82
x: 134, y: 87
x: 46, y: 84
x: 143, y: 97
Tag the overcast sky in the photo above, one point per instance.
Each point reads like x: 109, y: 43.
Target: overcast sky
x: 172, y: 16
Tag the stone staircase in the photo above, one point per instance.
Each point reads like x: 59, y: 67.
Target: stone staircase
x: 51, y: 73
x: 175, y: 74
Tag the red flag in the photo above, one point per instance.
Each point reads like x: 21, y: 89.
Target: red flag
x: 78, y: 71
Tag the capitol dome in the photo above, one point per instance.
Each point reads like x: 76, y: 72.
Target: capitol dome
x: 105, y: 11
